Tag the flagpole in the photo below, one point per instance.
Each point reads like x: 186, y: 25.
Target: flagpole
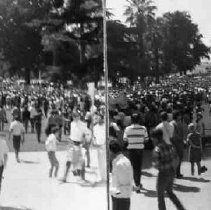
x: 105, y: 66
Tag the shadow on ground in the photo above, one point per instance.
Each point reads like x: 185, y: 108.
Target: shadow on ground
x: 148, y: 193
x: 194, y: 179
x: 13, y: 208
x: 147, y: 174
x: 183, y: 188
x: 29, y: 162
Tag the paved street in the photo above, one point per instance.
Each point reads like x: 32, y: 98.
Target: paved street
x: 26, y: 186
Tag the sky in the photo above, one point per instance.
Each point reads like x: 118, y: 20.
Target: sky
x: 200, y: 11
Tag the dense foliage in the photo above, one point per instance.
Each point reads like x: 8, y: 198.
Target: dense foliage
x: 149, y: 45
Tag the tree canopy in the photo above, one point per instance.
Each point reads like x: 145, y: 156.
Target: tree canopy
x: 60, y: 37
x: 146, y: 45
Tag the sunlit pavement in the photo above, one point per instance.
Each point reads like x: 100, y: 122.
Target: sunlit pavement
x: 193, y: 191
x: 27, y: 186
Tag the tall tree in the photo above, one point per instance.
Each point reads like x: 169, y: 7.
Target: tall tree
x: 21, y: 45
x: 183, y: 46
x: 79, y: 22
x: 140, y: 14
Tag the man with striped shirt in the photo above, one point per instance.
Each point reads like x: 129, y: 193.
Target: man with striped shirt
x: 136, y: 135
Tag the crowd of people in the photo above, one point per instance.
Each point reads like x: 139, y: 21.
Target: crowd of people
x: 165, y: 118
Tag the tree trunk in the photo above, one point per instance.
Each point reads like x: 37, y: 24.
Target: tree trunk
x: 27, y: 75
x: 157, y: 70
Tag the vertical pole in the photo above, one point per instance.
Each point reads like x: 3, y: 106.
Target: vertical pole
x: 105, y: 65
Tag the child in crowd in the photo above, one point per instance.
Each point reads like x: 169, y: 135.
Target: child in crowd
x: 76, y: 159
x: 51, y: 147
x: 195, y: 148
x: 165, y: 159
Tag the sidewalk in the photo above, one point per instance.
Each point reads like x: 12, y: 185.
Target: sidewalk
x: 26, y: 186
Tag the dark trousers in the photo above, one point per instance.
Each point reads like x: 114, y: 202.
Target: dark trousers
x: 136, y: 159
x: 38, y: 130
x: 32, y: 124
x: 26, y: 123
x: 2, y: 124
x: 180, y: 155
x: 165, y: 184
x: 1, y: 173
x: 120, y: 203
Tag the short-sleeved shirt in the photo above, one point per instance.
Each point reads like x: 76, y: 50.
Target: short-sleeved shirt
x: 51, y: 142
x: 16, y: 128
x: 77, y: 131
x: 3, y: 150
x: 122, y: 177
x: 135, y: 135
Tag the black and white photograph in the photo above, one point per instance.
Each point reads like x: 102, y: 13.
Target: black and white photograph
x: 105, y: 104
x: 52, y: 105
x: 158, y: 55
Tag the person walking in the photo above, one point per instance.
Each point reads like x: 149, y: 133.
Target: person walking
x: 25, y: 117
x: 75, y: 151
x: 3, y: 157
x: 38, y: 122
x: 166, y: 127
x: 177, y: 139
x: 33, y: 112
x: 3, y: 118
x: 122, y: 178
x: 17, y: 130
x: 165, y: 159
x: 195, y: 148
x: 51, y: 147
x: 136, y: 135
x: 99, y: 142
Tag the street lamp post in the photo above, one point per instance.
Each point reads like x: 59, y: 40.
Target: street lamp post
x: 105, y: 66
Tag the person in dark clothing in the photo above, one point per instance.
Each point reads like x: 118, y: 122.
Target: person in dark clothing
x: 46, y: 107
x: 25, y: 117
x: 165, y: 159
x: 38, y: 122
x: 177, y: 139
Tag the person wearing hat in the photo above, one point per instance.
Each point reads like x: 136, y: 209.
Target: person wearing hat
x: 17, y: 130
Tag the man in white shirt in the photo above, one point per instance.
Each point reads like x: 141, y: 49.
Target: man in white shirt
x: 3, y: 157
x: 122, y: 178
x: 166, y: 127
x: 33, y: 113
x: 99, y: 133
x: 75, y: 153
x: 17, y: 130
